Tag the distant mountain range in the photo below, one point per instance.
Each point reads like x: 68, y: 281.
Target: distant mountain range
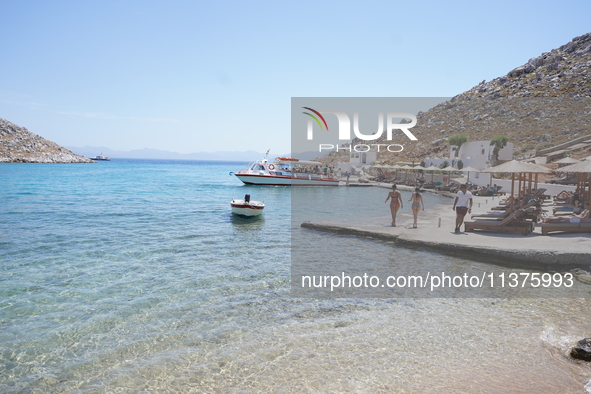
x: 91, y: 151
x: 250, y: 155
x: 17, y: 144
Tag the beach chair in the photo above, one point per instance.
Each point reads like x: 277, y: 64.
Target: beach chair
x: 513, y: 222
x: 534, y: 213
x: 567, y: 181
x: 493, y: 215
x: 498, y: 191
x: 565, y: 227
x: 532, y: 203
x: 539, y: 191
x: 563, y: 209
x: 446, y: 188
x: 562, y: 197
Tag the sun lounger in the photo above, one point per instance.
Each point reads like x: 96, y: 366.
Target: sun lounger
x: 562, y: 197
x: 570, y: 210
x: 530, y: 214
x: 451, y: 187
x: 493, y: 215
x: 565, y: 227
x: 538, y: 193
x: 532, y: 203
x: 534, y: 215
x: 566, y: 181
x: 513, y: 222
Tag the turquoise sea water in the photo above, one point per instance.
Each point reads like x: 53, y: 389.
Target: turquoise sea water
x: 133, y: 276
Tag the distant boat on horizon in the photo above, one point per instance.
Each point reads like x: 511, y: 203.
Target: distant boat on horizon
x: 100, y: 157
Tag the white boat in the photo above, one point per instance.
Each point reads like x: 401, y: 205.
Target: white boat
x: 247, y: 207
x: 285, y: 171
x: 100, y: 157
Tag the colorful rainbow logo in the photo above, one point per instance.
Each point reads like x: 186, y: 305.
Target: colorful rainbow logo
x: 315, y: 118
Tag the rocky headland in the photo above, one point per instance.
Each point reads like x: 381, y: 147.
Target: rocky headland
x: 543, y: 103
x: 19, y: 145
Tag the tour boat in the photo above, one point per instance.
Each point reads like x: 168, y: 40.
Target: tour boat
x: 100, y: 157
x: 246, y: 207
x: 286, y: 171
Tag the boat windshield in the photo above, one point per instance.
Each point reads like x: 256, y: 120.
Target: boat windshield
x: 257, y: 167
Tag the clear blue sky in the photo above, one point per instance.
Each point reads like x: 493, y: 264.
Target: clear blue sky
x: 190, y: 76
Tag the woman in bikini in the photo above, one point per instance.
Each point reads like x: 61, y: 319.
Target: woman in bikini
x: 583, y: 217
x: 395, y: 204
x: 417, y: 203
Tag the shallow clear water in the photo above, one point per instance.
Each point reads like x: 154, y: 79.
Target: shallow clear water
x: 134, y: 276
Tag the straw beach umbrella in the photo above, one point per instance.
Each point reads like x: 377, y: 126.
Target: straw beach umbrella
x: 405, y: 167
x: 566, y: 160
x: 517, y: 167
x: 418, y: 167
x: 380, y: 168
x: 432, y: 170
x: 580, y: 168
x: 468, y: 170
x: 449, y: 169
x: 395, y: 167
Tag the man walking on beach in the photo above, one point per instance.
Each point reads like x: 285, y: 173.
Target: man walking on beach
x: 463, y: 198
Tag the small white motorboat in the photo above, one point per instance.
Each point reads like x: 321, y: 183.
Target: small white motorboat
x: 247, y: 207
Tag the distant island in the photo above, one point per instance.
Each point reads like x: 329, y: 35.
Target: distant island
x: 157, y: 154
x: 19, y: 145
x: 91, y: 151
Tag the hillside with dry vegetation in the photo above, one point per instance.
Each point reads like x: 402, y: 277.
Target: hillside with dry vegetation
x: 545, y: 102
x: 19, y: 145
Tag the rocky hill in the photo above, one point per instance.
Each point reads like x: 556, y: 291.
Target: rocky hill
x: 19, y: 145
x: 544, y: 102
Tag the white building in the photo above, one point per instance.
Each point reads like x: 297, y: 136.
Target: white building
x: 476, y: 154
x: 359, y: 159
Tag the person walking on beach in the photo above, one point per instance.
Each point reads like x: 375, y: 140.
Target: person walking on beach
x: 463, y: 199
x: 417, y: 202
x: 395, y: 204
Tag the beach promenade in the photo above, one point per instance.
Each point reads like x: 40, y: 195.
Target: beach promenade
x: 436, y: 232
